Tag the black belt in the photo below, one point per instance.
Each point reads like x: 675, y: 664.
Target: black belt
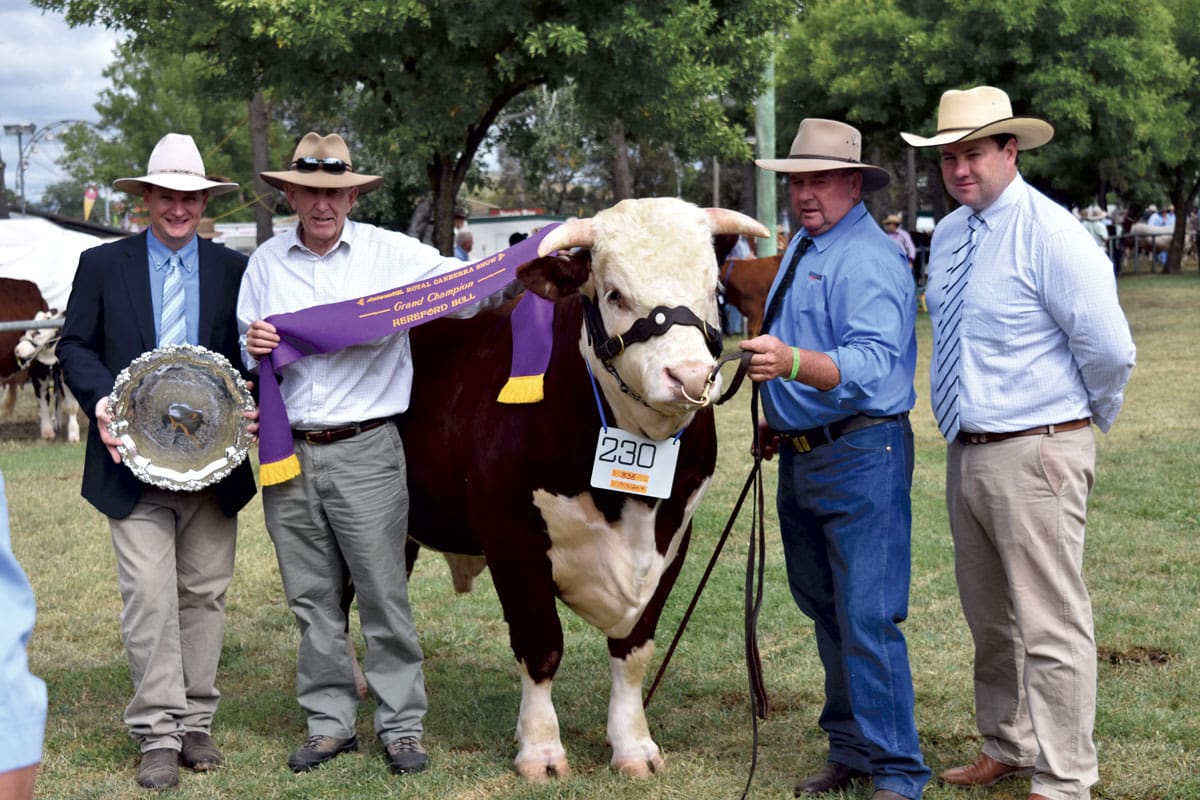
x: 331, y: 435
x: 804, y: 441
x: 983, y: 438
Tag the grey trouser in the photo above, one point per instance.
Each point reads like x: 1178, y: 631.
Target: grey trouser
x: 348, y: 509
x: 175, y: 554
x: 1018, y: 509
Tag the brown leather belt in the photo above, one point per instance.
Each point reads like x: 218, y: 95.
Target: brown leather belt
x: 984, y: 438
x: 331, y: 435
x: 806, y: 440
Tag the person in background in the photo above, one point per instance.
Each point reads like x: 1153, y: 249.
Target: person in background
x: 836, y: 358
x: 22, y: 694
x: 175, y: 549
x: 1093, y: 223
x: 892, y: 227
x: 464, y: 241
x: 1030, y: 347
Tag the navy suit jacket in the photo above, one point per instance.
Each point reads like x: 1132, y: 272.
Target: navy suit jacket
x: 110, y: 322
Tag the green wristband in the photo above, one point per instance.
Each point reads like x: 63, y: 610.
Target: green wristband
x: 795, y: 364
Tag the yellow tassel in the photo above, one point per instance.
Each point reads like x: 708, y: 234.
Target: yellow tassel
x: 522, y: 389
x: 279, y: 471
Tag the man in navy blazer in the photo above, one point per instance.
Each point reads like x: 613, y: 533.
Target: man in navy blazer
x: 175, y: 549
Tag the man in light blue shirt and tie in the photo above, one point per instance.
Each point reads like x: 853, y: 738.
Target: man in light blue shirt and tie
x: 1030, y: 348
x: 174, y: 549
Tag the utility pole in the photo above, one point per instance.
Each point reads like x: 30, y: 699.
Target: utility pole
x: 19, y: 130
x: 764, y: 136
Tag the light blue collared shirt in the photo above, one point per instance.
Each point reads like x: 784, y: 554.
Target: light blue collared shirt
x: 23, y: 710
x: 1044, y: 339
x: 852, y: 298
x: 159, y: 254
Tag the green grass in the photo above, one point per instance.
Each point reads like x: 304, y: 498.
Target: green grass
x: 1142, y: 569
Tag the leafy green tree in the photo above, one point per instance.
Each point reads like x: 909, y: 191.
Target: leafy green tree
x: 1101, y: 72
x: 433, y: 76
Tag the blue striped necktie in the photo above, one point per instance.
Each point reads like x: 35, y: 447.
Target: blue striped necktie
x: 174, y: 323
x: 948, y: 333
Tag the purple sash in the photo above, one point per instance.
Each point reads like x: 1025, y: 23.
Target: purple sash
x: 326, y: 328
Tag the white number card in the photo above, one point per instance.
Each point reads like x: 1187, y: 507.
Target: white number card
x: 626, y: 462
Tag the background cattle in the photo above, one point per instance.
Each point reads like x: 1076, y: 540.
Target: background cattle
x: 57, y: 407
x: 513, y: 482
x: 19, y: 300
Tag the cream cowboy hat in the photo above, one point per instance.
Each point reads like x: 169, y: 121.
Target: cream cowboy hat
x: 175, y: 163
x: 980, y: 112
x: 891, y: 219
x: 322, y: 162
x: 823, y: 144
x: 1094, y: 212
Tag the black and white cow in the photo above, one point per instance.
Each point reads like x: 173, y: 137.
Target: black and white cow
x: 513, y: 482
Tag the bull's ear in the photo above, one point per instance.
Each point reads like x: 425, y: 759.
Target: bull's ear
x: 557, y: 276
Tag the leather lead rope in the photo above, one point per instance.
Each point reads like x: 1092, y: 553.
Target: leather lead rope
x: 755, y: 566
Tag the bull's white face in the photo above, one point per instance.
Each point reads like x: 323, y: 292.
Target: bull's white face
x: 38, y: 341
x: 648, y: 253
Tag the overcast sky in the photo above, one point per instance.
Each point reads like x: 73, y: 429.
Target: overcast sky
x: 48, y: 72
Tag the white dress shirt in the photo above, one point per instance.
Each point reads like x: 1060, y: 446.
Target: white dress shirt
x: 1044, y: 339
x: 360, y: 382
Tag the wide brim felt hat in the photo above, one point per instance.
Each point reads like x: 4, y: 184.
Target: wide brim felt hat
x: 175, y: 164
x: 825, y: 144
x: 965, y: 115
x: 313, y: 145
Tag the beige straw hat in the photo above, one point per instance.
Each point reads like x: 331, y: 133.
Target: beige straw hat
x: 978, y: 113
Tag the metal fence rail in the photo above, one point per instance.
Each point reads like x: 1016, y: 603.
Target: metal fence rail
x: 26, y: 324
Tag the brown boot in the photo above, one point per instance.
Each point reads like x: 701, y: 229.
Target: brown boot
x: 198, y: 752
x: 159, y: 768
x: 984, y: 771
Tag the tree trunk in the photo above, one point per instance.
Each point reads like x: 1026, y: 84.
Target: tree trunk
x: 622, y: 177
x: 261, y: 158
x: 441, y: 178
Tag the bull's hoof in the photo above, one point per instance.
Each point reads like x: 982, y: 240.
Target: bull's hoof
x: 639, y: 767
x: 543, y: 769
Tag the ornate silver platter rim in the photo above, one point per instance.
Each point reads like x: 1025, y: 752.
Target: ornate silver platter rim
x: 194, y: 477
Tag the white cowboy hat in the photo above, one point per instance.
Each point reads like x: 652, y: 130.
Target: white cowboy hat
x: 322, y: 162
x: 978, y: 113
x: 175, y: 163
x: 823, y: 144
x: 1094, y: 212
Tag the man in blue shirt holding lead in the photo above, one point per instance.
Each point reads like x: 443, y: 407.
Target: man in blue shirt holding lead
x: 837, y: 355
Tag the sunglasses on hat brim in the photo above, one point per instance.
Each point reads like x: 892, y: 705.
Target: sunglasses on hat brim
x: 334, y: 166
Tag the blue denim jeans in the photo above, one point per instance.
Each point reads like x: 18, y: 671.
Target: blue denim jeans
x: 846, y: 520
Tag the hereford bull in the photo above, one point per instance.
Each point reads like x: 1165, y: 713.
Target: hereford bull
x: 19, y: 300
x: 512, y: 482
x: 57, y: 407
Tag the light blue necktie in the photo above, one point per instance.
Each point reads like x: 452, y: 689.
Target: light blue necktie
x: 946, y: 356
x: 174, y: 322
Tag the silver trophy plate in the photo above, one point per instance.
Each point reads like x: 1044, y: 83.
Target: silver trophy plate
x: 178, y: 413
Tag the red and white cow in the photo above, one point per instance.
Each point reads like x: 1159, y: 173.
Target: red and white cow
x: 19, y: 300
x: 57, y: 407
x: 512, y: 482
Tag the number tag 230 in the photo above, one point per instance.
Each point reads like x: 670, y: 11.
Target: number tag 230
x: 626, y: 462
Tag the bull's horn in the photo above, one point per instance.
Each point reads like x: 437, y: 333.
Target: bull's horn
x: 572, y: 233
x: 722, y: 220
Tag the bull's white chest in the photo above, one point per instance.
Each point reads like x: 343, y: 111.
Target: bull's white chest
x: 607, y: 572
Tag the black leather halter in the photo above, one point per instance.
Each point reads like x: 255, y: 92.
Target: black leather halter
x: 656, y: 323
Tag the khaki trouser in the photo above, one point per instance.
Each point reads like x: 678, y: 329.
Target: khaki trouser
x: 175, y: 554
x: 1018, y: 510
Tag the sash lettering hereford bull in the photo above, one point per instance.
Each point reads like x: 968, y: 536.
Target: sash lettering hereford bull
x: 636, y: 312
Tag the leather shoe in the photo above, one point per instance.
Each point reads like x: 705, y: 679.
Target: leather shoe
x: 887, y: 794
x: 198, y: 752
x: 984, y: 771
x: 1038, y: 797
x: 318, y: 749
x: 159, y: 768
x: 406, y: 755
x: 832, y: 777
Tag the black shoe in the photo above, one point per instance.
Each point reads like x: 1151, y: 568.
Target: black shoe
x: 319, y: 749
x: 198, y: 752
x: 833, y: 777
x: 406, y: 755
x: 159, y: 768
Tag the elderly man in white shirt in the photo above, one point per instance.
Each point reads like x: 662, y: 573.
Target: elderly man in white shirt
x: 1030, y: 348
x: 347, y: 512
